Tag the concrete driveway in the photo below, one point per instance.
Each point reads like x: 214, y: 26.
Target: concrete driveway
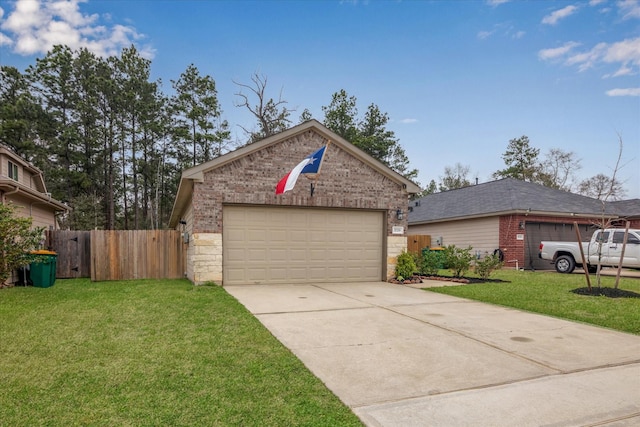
x: 400, y: 356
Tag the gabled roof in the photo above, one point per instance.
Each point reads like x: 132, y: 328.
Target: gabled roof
x: 196, y: 174
x: 37, y: 191
x: 36, y: 174
x: 502, y: 197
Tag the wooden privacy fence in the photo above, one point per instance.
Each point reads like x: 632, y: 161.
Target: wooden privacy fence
x: 74, y: 252
x: 118, y: 255
x: 417, y: 242
x: 139, y: 254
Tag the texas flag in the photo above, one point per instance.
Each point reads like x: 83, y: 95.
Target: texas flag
x: 309, y: 165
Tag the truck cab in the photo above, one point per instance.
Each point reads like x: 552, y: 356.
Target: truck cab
x: 612, y: 248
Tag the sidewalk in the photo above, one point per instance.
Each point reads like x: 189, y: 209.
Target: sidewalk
x: 400, y: 356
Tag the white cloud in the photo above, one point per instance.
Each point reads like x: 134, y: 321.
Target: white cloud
x: 35, y: 26
x: 623, y: 71
x: 504, y: 29
x: 5, y: 40
x: 595, y: 2
x: 355, y: 2
x: 408, y: 121
x: 625, y: 54
x: 495, y: 3
x: 626, y: 51
x: 629, y: 8
x: 557, y: 52
x: 586, y: 60
x: 554, y: 17
x: 632, y: 91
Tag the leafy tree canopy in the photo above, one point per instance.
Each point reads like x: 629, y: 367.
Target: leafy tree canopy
x: 369, y: 133
x: 521, y: 160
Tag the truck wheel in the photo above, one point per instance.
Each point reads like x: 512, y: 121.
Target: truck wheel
x: 565, y: 264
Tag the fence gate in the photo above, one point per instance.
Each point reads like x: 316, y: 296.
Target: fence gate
x: 74, y: 252
x: 417, y: 242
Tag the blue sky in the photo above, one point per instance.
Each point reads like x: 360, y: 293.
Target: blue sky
x: 458, y: 79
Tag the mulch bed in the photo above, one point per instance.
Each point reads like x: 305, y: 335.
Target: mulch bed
x: 606, y: 292
x: 464, y: 280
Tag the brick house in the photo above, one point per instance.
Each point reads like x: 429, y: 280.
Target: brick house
x: 513, y: 216
x: 22, y: 185
x: 350, y: 228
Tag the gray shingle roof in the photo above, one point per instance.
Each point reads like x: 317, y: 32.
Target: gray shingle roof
x: 501, y: 196
x: 627, y: 208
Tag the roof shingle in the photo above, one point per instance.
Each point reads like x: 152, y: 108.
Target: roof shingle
x: 509, y: 195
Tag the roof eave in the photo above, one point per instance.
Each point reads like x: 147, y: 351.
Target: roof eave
x: 39, y: 197
x: 198, y: 172
x: 514, y: 212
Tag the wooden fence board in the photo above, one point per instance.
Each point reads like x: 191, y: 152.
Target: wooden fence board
x: 417, y: 242
x: 127, y: 254
x: 74, y: 252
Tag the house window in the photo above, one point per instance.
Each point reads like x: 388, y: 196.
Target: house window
x: 13, y: 171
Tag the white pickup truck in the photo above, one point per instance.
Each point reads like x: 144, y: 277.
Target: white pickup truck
x: 566, y: 255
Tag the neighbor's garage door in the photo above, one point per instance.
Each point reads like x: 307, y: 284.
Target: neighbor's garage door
x: 539, y: 231
x: 268, y: 245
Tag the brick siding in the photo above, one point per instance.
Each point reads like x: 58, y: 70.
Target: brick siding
x: 513, y: 248
x: 344, y: 182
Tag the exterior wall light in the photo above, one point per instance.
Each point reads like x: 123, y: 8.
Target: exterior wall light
x: 399, y: 214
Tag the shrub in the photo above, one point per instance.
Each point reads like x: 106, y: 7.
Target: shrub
x: 417, y: 260
x: 17, y: 239
x: 488, y: 265
x: 432, y: 261
x: 405, y: 266
x: 458, y: 260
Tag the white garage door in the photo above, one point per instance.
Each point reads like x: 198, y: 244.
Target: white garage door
x: 267, y: 245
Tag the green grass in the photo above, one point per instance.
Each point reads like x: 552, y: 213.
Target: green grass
x: 550, y: 293
x: 149, y: 352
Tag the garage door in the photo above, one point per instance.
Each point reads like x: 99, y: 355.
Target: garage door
x: 539, y: 231
x: 267, y: 245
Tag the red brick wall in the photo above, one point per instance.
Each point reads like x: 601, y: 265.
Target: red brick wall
x: 344, y: 182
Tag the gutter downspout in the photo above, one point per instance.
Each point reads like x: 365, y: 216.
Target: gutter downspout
x: 10, y: 193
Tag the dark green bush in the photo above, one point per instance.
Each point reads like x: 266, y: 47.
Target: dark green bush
x: 458, y: 260
x: 488, y: 265
x: 432, y: 261
x: 417, y: 260
x: 405, y: 266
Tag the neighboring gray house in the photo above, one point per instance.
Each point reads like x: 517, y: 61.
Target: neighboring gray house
x: 240, y: 232
x: 513, y: 216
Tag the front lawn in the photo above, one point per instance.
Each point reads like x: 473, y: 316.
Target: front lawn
x: 551, y: 293
x: 149, y: 352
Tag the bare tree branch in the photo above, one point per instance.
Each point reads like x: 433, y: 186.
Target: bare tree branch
x: 272, y: 116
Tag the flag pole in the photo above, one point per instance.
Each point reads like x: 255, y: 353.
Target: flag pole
x: 315, y: 178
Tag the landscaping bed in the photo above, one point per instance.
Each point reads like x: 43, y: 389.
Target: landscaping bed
x: 464, y: 280
x: 606, y: 292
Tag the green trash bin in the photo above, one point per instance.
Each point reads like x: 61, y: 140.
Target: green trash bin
x: 43, y: 269
x: 438, y: 254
